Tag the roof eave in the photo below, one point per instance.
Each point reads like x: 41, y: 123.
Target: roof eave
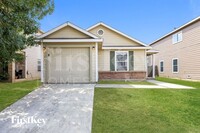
x: 176, y: 30
x: 133, y: 39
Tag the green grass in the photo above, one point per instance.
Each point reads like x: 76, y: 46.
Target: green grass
x: 11, y: 92
x: 147, y: 110
x: 125, y: 82
x: 180, y: 82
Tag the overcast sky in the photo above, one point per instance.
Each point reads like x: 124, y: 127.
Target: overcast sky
x: 145, y: 20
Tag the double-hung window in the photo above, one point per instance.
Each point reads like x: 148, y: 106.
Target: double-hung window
x: 121, y: 61
x: 175, y: 65
x: 177, y: 37
x: 39, y: 64
x: 161, y: 66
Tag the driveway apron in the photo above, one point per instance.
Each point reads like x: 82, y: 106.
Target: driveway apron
x: 53, y: 108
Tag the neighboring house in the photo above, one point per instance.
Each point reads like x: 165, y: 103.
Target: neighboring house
x: 30, y: 67
x: 75, y: 55
x: 179, y: 52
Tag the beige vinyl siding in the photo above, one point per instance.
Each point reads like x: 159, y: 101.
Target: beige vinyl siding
x: 93, y: 64
x: 112, y: 38
x: 67, y: 32
x: 32, y: 56
x: 187, y: 51
x: 92, y: 54
x: 139, y: 60
x: 104, y: 60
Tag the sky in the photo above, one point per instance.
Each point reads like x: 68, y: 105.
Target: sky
x: 144, y: 20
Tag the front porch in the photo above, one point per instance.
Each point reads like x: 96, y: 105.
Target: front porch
x: 151, y: 67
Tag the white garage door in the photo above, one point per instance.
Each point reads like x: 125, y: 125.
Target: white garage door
x: 68, y: 65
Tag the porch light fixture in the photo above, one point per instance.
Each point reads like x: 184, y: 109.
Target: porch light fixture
x: 93, y: 47
x: 44, y: 49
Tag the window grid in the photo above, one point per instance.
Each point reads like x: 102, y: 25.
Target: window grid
x: 175, y: 65
x: 161, y: 66
x: 124, y: 62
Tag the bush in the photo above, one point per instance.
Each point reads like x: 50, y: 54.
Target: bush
x: 4, y: 76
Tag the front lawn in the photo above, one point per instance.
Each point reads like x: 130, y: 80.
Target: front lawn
x: 146, y: 111
x: 125, y: 82
x: 11, y: 92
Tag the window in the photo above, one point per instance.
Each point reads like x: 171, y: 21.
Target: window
x: 39, y: 64
x: 100, y: 32
x: 177, y: 37
x: 161, y: 66
x: 175, y: 65
x: 121, y: 60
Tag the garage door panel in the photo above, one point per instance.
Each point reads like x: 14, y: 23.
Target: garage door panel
x: 54, y: 62
x: 80, y: 63
x: 69, y: 65
x: 65, y: 65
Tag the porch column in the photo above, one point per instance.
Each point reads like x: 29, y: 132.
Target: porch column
x: 153, y: 65
x: 97, y: 74
x: 25, y: 65
x: 11, y: 72
x: 42, y: 63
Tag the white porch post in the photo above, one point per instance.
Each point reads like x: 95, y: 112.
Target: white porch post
x: 146, y: 67
x: 153, y: 59
x: 42, y: 63
x: 25, y: 65
x: 97, y: 75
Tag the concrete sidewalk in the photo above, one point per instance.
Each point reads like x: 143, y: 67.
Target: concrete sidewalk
x: 169, y: 85
x: 158, y: 85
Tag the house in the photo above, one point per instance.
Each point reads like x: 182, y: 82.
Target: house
x: 29, y: 68
x: 179, y: 52
x: 74, y: 55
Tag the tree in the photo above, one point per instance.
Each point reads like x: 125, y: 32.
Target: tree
x: 19, y: 20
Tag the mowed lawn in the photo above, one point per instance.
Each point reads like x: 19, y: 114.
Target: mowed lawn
x: 147, y: 110
x: 11, y: 92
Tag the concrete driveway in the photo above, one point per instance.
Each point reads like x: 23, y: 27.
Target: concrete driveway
x: 53, y: 108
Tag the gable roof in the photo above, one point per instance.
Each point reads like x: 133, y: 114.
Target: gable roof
x: 71, y: 25
x: 122, y: 34
x: 176, y: 30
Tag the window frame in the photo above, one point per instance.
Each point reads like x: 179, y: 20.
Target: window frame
x: 176, y: 36
x: 173, y: 65
x: 162, y: 66
x: 116, y: 61
x: 39, y: 65
x: 102, y: 32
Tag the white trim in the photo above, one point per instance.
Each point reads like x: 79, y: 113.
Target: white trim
x: 176, y: 30
x: 145, y: 56
x: 72, y: 40
x: 153, y: 65
x: 176, y: 34
x: 96, y: 48
x: 160, y: 66
x: 68, y: 46
x: 26, y: 68
x: 173, y: 65
x: 64, y: 25
x: 152, y: 51
x: 127, y: 61
x: 126, y: 47
x: 42, y: 63
x: 133, y: 39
